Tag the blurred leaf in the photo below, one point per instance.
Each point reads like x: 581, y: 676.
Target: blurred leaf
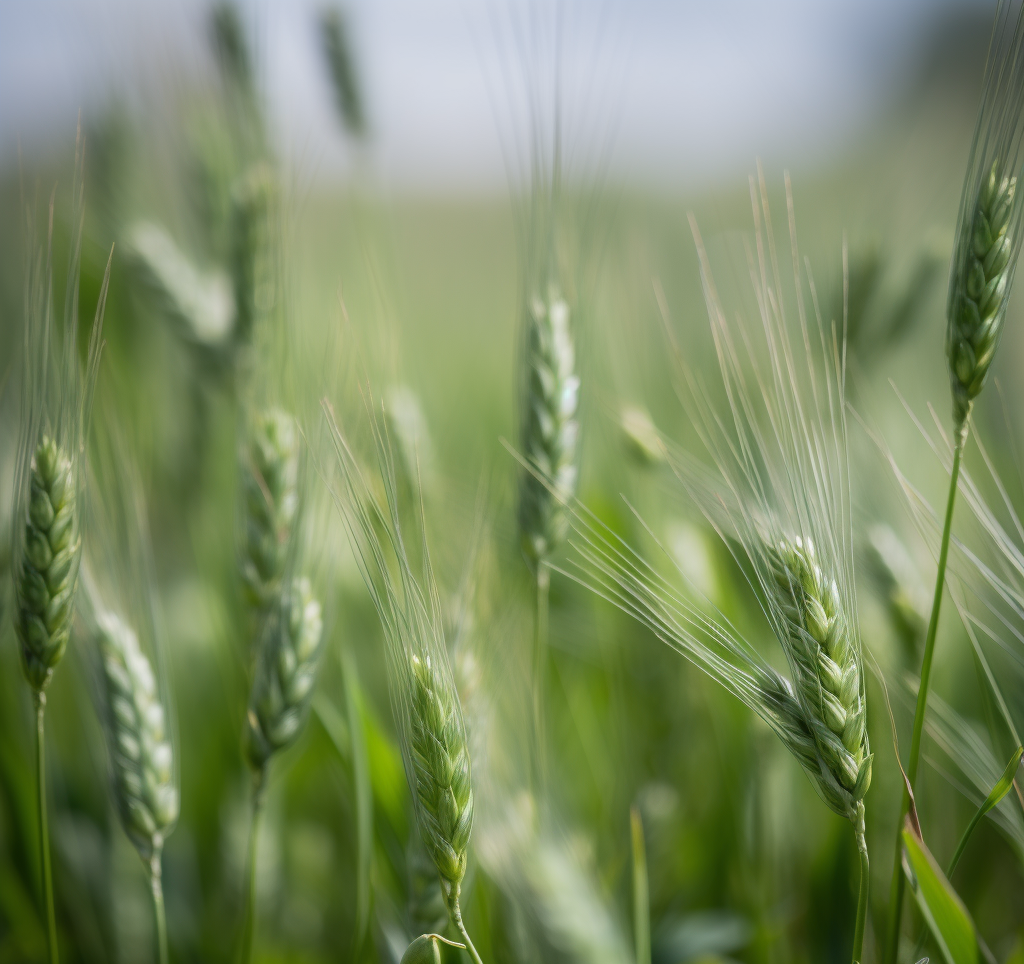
x: 364, y: 796
x: 945, y: 914
x: 641, y: 895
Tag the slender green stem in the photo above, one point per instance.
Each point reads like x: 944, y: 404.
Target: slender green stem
x: 44, y: 832
x: 641, y: 890
x: 157, y: 887
x: 898, y: 880
x: 258, y: 780
x: 457, y: 920
x: 540, y: 657
x: 862, y: 893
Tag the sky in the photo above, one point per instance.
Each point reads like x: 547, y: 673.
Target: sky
x: 662, y: 91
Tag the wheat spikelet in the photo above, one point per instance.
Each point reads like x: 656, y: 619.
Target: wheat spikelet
x: 979, y: 290
x: 287, y: 664
x: 550, y: 427
x: 47, y: 573
x: 141, y: 753
x: 270, y: 496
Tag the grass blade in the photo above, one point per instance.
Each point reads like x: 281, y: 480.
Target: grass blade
x: 942, y: 909
x: 999, y: 791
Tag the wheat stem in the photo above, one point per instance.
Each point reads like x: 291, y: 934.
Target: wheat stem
x: 456, y: 912
x: 44, y: 833
x: 862, y: 894
x: 258, y: 780
x: 898, y: 879
x: 540, y: 658
x: 157, y: 887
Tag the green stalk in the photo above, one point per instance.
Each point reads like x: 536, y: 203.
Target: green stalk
x: 156, y: 885
x: 540, y: 655
x: 258, y: 779
x: 44, y: 833
x: 457, y: 919
x: 862, y: 894
x: 641, y: 890
x: 898, y: 879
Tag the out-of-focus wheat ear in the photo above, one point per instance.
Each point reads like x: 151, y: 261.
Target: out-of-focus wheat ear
x: 270, y: 504
x: 199, y: 306
x: 286, y: 669
x: 550, y: 427
x: 336, y: 41
x: 254, y: 253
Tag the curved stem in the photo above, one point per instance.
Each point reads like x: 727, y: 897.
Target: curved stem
x: 44, y: 832
x: 862, y: 894
x: 540, y: 656
x: 258, y: 779
x: 156, y: 885
x: 457, y: 920
x: 898, y: 880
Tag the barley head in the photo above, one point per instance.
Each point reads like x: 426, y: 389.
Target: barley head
x: 550, y: 427
x: 270, y: 494
x: 46, y: 569
x: 827, y: 666
x: 141, y: 753
x: 286, y: 668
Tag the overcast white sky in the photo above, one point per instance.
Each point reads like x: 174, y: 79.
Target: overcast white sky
x: 681, y: 91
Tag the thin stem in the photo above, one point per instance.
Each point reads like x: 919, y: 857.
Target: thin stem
x: 898, y: 880
x: 540, y: 656
x: 862, y: 894
x: 157, y: 887
x: 457, y: 919
x: 258, y: 779
x: 44, y: 832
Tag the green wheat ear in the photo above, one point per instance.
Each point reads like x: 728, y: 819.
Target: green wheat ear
x: 978, y: 294
x: 441, y: 772
x: 287, y: 664
x: 141, y: 752
x: 270, y: 492
x: 550, y: 427
x: 828, y: 672
x: 47, y: 574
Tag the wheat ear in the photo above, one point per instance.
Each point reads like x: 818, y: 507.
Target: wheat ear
x: 141, y: 753
x: 979, y: 290
x: 46, y: 580
x: 287, y: 664
x: 828, y: 670
x: 550, y: 427
x: 270, y: 494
